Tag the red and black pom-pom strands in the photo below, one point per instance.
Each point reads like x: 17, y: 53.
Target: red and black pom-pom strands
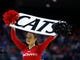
x: 10, y: 16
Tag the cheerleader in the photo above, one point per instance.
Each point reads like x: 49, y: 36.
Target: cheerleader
x: 31, y: 51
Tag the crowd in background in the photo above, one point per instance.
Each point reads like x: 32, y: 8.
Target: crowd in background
x: 62, y: 48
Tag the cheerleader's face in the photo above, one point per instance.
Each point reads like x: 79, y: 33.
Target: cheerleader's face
x: 30, y: 39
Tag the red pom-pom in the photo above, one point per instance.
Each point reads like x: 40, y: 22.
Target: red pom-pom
x: 10, y: 16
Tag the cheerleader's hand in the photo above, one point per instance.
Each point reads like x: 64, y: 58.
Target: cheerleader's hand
x: 10, y: 17
x: 62, y: 28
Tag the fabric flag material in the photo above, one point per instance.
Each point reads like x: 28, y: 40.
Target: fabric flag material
x: 35, y: 24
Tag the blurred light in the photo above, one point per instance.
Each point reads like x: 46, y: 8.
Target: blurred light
x: 48, y: 5
x: 54, y: 0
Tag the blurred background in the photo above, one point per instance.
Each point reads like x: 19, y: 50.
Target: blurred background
x: 63, y: 48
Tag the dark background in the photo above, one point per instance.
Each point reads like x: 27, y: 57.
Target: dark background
x: 68, y: 10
